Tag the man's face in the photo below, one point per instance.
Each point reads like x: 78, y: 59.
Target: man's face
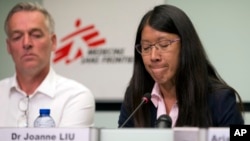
x: 29, y: 41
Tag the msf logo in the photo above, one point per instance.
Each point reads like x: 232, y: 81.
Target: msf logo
x: 70, y: 52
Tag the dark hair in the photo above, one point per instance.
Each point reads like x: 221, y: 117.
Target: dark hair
x: 195, y: 78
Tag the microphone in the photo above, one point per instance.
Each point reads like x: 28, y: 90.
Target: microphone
x: 164, y: 121
x: 145, y: 99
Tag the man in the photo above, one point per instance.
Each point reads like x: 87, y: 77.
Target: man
x: 35, y: 85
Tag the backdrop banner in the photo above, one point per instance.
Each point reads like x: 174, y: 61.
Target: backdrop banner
x: 95, y: 42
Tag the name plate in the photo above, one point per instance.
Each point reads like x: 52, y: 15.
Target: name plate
x: 48, y: 134
x: 136, y: 134
x: 186, y: 134
x: 218, y: 134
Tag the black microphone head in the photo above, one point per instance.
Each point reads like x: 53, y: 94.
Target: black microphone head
x: 164, y: 121
x: 146, y: 97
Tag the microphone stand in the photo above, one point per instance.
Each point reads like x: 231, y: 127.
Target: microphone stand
x: 142, y: 102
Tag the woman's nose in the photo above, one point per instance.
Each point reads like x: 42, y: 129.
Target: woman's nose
x: 155, y: 53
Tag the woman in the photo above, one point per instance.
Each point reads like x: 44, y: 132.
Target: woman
x: 170, y: 63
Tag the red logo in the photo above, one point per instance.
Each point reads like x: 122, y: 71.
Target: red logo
x: 90, y: 38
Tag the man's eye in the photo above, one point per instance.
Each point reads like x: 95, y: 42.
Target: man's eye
x: 36, y: 35
x: 15, y: 37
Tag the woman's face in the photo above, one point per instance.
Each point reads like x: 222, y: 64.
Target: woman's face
x: 162, y: 58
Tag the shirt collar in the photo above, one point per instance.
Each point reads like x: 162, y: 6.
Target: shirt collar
x: 156, y: 95
x: 47, y: 87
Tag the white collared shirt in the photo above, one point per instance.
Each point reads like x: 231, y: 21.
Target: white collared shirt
x: 158, y: 102
x: 71, y: 103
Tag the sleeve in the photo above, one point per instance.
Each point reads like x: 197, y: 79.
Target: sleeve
x: 225, y: 110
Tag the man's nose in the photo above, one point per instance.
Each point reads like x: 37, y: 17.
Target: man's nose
x: 27, y: 46
x: 27, y: 42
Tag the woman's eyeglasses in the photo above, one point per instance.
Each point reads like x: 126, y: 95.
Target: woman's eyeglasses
x: 162, y: 45
x: 24, y: 108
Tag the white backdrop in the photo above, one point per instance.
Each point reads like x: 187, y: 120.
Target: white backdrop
x: 95, y: 42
